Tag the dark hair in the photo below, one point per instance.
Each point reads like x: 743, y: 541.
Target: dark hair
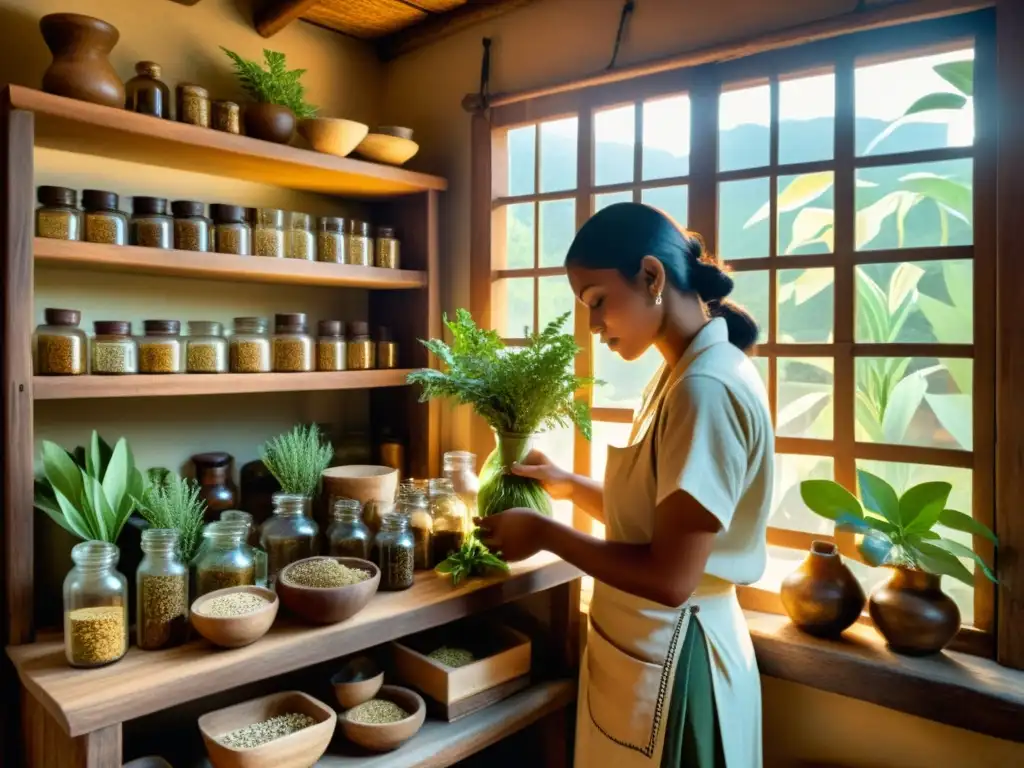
x: 619, y: 236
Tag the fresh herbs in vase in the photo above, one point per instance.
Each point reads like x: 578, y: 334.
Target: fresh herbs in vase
x: 278, y: 95
x: 297, y: 459
x: 173, y: 502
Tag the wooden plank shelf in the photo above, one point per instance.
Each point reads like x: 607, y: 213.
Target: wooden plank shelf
x: 82, y: 701
x: 77, y: 126
x: 134, y: 260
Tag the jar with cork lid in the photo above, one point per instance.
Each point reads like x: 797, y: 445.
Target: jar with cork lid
x: 268, y: 233
x: 206, y: 349
x: 57, y: 216
x: 388, y: 249
x: 191, y: 227
x: 193, y: 105
x: 300, y: 243
x: 292, y: 345
x: 151, y: 227
x: 114, y: 351
x: 232, y: 232
x: 330, y: 346
x: 146, y: 93
x: 360, y: 350
x: 60, y: 345
x: 387, y: 349
x: 103, y: 221
x: 249, y: 347
x: 360, y: 244
x: 331, y: 240
x: 161, y: 349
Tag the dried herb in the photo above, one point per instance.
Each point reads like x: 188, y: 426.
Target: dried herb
x: 297, y: 459
x: 473, y: 559
x: 173, y: 502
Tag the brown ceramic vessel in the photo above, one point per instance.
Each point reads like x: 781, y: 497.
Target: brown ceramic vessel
x: 270, y: 122
x: 80, y: 68
x: 328, y: 605
x: 913, y: 614
x: 822, y: 596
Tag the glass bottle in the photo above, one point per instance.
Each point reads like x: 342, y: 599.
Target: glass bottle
x: 300, y: 241
x: 114, y: 350
x: 193, y: 105
x: 360, y: 350
x: 191, y: 227
x: 95, y: 606
x: 268, y: 233
x: 57, y: 216
x: 227, y: 117
x: 206, y: 349
x: 232, y: 233
x: 162, y: 592
x: 459, y: 468
x: 387, y: 349
x: 257, y: 490
x: 161, y: 349
x: 330, y: 346
x: 292, y: 345
x: 348, y: 535
x: 360, y: 244
x: 103, y: 222
x: 216, y: 488
x: 388, y: 249
x: 290, y: 534
x: 412, y: 503
x: 60, y: 345
x: 331, y: 241
x: 393, y: 552
x: 224, y: 559
x: 449, y: 516
x: 249, y: 346
x: 146, y: 93
x: 252, y: 537
x: 150, y: 226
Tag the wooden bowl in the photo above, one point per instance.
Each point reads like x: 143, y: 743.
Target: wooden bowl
x: 390, y: 150
x: 333, y: 136
x: 371, y: 485
x: 388, y: 736
x: 358, y: 681
x: 296, y: 750
x: 235, y: 631
x: 394, y: 130
x: 328, y: 605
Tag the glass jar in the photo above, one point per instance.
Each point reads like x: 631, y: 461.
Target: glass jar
x: 450, y: 521
x: 268, y: 233
x: 360, y: 244
x: 360, y: 350
x: 103, y: 222
x: 292, y: 345
x: 387, y: 349
x: 161, y: 349
x: 388, y: 249
x: 393, y: 548
x: 151, y: 227
x: 330, y: 346
x: 206, y: 349
x: 193, y: 105
x: 232, y: 234
x: 249, y: 346
x: 252, y: 538
x: 57, y: 216
x: 300, y: 243
x: 224, y: 559
x: 331, y: 240
x: 60, y: 345
x: 95, y: 606
x: 191, y: 227
x: 348, y: 535
x: 227, y: 117
x: 459, y: 468
x: 146, y: 93
x: 258, y: 486
x: 290, y: 534
x: 216, y: 488
x: 114, y: 350
x: 161, y: 583
x: 412, y: 503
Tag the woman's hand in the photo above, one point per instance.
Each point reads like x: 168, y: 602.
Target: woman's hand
x: 515, y: 533
x: 557, y: 482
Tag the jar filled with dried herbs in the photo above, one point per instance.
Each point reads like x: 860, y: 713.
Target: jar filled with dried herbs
x: 289, y: 535
x: 232, y: 232
x: 268, y: 233
x: 151, y: 227
x: 103, y: 221
x: 95, y: 606
x: 206, y: 349
x: 193, y: 105
x: 299, y: 240
x: 460, y: 468
x: 360, y: 244
x: 146, y: 93
x: 412, y: 503
x: 191, y: 227
x: 60, y: 345
x: 360, y: 351
x: 250, y: 346
x: 331, y: 240
x: 161, y: 349
x: 252, y: 537
x: 224, y: 559
x: 393, y: 552
x: 330, y: 346
x: 347, y: 535
x: 114, y: 350
x: 450, y: 520
x: 293, y: 347
x: 57, y: 216
x: 227, y: 117
x: 388, y: 249
x: 387, y: 349
x: 162, y: 592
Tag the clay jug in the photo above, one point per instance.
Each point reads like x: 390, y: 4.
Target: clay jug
x: 913, y: 614
x: 822, y: 596
x: 80, y: 68
x: 269, y: 122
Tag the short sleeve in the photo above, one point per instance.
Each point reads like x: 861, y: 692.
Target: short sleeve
x: 702, y: 446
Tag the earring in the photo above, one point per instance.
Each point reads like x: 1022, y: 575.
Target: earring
x: 657, y: 300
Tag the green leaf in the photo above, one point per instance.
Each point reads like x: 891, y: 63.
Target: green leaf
x: 829, y: 499
x: 445, y: 566
x: 101, y: 515
x: 902, y: 402
x: 804, y: 189
x: 957, y: 549
x: 62, y: 472
x: 812, y: 225
x: 875, y: 548
x: 903, y: 284
x: 115, y: 486
x: 954, y: 414
x: 49, y: 505
x: 959, y: 74
x: 941, y: 563
x: 921, y: 505
x: 956, y: 196
x: 869, y: 220
x: 77, y: 522
x: 958, y: 521
x: 878, y: 496
x: 936, y: 101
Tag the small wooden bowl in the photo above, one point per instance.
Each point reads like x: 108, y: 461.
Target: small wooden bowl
x: 296, y: 750
x: 235, y: 631
x: 390, y: 150
x: 384, y: 737
x: 333, y: 136
x: 358, y: 681
x: 394, y: 130
x: 328, y: 605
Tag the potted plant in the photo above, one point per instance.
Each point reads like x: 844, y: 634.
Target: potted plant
x: 174, y: 502
x: 910, y: 609
x: 279, y: 98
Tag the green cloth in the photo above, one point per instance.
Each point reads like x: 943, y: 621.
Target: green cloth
x: 693, y: 738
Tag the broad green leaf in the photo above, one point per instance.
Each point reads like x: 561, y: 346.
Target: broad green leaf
x: 878, y: 496
x: 880, y: 525
x: 445, y: 566
x: 100, y: 521
x: 958, y: 521
x: 50, y: 506
x: 77, y: 523
x: 810, y: 283
x: 799, y: 408
x: 936, y: 101
x: 954, y: 195
x: 871, y: 308
x: 903, y: 284
x: 959, y: 74
x: 941, y: 563
x: 902, y: 403
x: 925, y: 501
x: 812, y: 225
x: 867, y: 420
x: 949, y: 324
x: 98, y: 456
x: 803, y: 189
x: 958, y: 276
x: 959, y: 550
x: 869, y: 220
x: 115, y: 483
x: 875, y: 548
x: 829, y: 499
x: 62, y: 472
x: 954, y: 414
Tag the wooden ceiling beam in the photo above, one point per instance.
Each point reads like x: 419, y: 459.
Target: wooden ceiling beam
x: 275, y: 15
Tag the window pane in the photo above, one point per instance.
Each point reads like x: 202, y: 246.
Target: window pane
x: 666, y: 150
x: 672, y: 200
x: 522, y: 158
x: 924, y: 302
x: 519, y: 224
x: 512, y: 306
x: 624, y: 383
x: 603, y: 201
x: 557, y: 229
x: 782, y: 561
x: 606, y: 434
x: 922, y: 205
x: 937, y: 92
x: 806, y: 213
x: 805, y: 395
x: 743, y: 219
x: 761, y: 363
x: 750, y: 290
x: 558, y: 155
x: 744, y: 115
x: 614, y: 141
x: 805, y: 300
x: 556, y: 298
x: 788, y: 509
x: 807, y: 110
x: 558, y: 446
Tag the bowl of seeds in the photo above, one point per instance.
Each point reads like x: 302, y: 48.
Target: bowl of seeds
x: 235, y: 616
x: 386, y: 721
x: 326, y: 590
x: 357, y: 681
x: 282, y: 730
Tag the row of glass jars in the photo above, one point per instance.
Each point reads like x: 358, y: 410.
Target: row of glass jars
x: 233, y: 229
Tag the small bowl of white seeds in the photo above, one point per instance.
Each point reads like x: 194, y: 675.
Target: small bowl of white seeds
x: 236, y: 616
x: 385, y: 722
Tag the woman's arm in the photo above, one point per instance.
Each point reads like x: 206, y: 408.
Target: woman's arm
x: 585, y: 493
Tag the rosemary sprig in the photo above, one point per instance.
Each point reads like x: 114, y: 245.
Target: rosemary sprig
x: 297, y: 459
x: 173, y: 502
x: 473, y: 559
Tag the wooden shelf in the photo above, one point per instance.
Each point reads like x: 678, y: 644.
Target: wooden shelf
x: 186, y: 384
x: 77, y: 126
x: 133, y: 260
x: 143, y: 682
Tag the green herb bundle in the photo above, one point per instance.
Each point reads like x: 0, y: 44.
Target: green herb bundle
x: 472, y: 559
x: 274, y: 85
x: 173, y: 502
x: 297, y: 459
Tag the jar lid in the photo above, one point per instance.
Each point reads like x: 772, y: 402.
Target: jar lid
x: 205, y: 328
x: 385, y: 231
x: 360, y: 228
x: 99, y: 200
x: 290, y: 321
x: 148, y: 69
x: 57, y: 196
x: 149, y: 205
x: 228, y: 106
x: 227, y: 214
x: 250, y: 324
x: 331, y: 328
x: 185, y: 208
x: 212, y: 459
x: 331, y: 223
x: 68, y: 317
x: 298, y: 220
x: 193, y: 90
x: 162, y: 327
x: 359, y: 328
x: 269, y: 217
x: 112, y: 328
x: 384, y: 333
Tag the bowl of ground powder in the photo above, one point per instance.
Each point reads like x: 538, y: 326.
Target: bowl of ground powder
x: 235, y: 616
x: 326, y: 590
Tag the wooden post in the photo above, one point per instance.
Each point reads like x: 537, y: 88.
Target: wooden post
x: 46, y: 744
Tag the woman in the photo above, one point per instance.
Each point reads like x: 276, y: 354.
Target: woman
x: 669, y: 676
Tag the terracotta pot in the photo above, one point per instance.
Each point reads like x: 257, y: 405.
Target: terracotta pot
x: 216, y: 488
x: 270, y: 122
x: 822, y: 596
x: 913, y: 614
x: 80, y: 68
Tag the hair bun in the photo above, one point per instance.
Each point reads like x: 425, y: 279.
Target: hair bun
x: 711, y: 282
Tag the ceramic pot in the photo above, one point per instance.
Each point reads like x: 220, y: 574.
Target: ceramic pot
x: 80, y: 68
x: 913, y: 614
x: 822, y: 596
x: 270, y: 122
x: 216, y: 488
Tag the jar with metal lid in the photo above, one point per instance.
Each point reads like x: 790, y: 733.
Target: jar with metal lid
x: 161, y: 589
x: 95, y: 606
x: 206, y: 349
x: 103, y: 221
x: 114, y: 350
x: 227, y: 117
x: 268, y: 233
x: 450, y: 520
x: 225, y: 559
x: 146, y: 93
x: 292, y: 345
x: 393, y: 548
x: 232, y: 233
x: 460, y: 468
x: 348, y: 535
x: 388, y: 249
x: 360, y: 243
x: 151, y: 227
x: 193, y: 105
x: 252, y: 537
x: 161, y: 349
x: 387, y: 349
x: 191, y: 227
x: 57, y: 216
x: 249, y: 346
x: 300, y: 243
x: 331, y: 240
x: 330, y: 346
x: 359, y: 347
x: 290, y: 534
x: 60, y: 345
x: 412, y: 503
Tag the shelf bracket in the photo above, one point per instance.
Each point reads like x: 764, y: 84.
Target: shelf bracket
x: 278, y: 14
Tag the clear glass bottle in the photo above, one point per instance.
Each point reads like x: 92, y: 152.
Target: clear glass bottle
x: 268, y: 233
x: 249, y: 346
x: 161, y: 583
x: 103, y: 221
x: 360, y: 351
x: 290, y: 535
x: 193, y: 105
x: 460, y: 468
x: 57, y: 216
x: 161, y: 349
x: 300, y: 243
x: 252, y: 537
x: 387, y: 349
x: 95, y: 606
x: 331, y: 240
x: 150, y: 226
x: 146, y: 93
x: 449, y: 516
x: 61, y: 347
x: 412, y: 502
x: 191, y: 226
x: 206, y: 349
x: 348, y: 536
x: 330, y: 346
x: 232, y: 233
x: 114, y: 350
x: 388, y: 249
x: 393, y: 552
x: 360, y: 244
x: 224, y: 559
x: 293, y: 347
